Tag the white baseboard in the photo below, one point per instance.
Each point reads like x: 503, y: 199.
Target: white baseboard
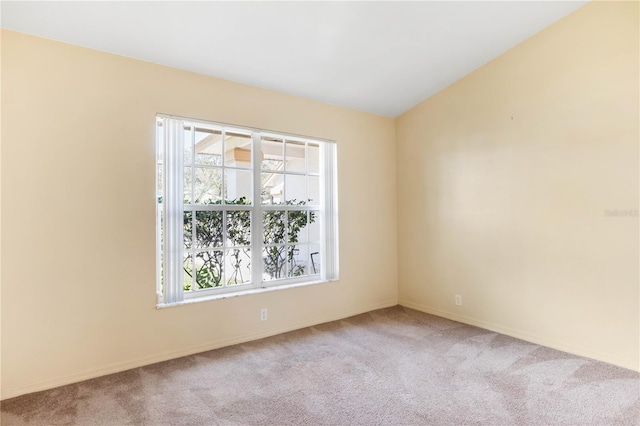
x: 140, y: 362
x: 539, y: 340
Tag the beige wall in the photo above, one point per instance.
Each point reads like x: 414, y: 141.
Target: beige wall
x: 0, y: 215
x: 503, y: 182
x: 78, y: 231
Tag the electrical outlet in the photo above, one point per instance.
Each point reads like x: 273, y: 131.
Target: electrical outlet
x: 263, y: 314
x: 458, y: 300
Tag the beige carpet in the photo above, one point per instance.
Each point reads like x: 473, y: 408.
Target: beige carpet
x: 394, y: 366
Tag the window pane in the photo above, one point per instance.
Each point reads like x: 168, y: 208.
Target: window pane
x: 297, y: 226
x: 237, y: 265
x: 297, y: 260
x: 208, y: 229
x: 296, y: 189
x: 314, y: 190
x: 296, y: 156
x: 272, y: 156
x: 313, y: 157
x: 187, y: 265
x: 188, y: 146
x: 187, y: 185
x: 314, y: 226
x: 273, y: 223
x: 238, y: 150
x: 238, y: 228
x: 220, y: 193
x: 208, y: 146
x: 275, y: 262
x: 272, y: 188
x: 209, y: 269
x: 208, y: 186
x: 188, y: 227
x: 238, y: 184
x: 314, y: 252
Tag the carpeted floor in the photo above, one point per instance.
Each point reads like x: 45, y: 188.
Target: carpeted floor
x: 393, y: 366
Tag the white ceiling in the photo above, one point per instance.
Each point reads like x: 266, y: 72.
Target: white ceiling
x: 380, y: 57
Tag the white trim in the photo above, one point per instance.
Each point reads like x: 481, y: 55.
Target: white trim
x: 241, y: 129
x: 256, y: 212
x: 220, y: 292
x: 217, y: 167
x: 295, y: 281
x: 217, y: 207
x: 210, y: 293
x: 289, y: 207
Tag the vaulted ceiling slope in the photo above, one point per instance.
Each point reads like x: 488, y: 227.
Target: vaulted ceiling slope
x: 379, y: 57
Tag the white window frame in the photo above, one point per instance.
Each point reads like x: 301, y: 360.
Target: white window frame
x: 169, y: 175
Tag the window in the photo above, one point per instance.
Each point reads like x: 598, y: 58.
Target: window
x: 240, y: 209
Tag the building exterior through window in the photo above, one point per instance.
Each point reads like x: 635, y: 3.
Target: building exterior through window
x: 240, y: 209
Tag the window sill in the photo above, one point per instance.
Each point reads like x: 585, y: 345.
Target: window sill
x: 240, y: 293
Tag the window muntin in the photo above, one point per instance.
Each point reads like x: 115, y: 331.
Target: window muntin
x: 217, y: 240
x: 250, y: 209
